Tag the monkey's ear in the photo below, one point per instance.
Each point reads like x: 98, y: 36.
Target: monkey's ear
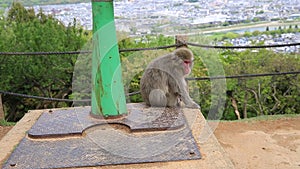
x: 174, y: 56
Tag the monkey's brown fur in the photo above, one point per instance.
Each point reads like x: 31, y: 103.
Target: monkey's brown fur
x: 163, y: 82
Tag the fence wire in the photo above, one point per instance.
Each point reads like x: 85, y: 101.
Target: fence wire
x: 138, y: 92
x: 244, y: 47
x: 150, y: 48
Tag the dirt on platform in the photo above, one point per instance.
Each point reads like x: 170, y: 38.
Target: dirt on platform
x: 4, y: 130
x: 266, y: 144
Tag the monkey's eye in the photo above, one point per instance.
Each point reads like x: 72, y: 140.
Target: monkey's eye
x: 187, y: 62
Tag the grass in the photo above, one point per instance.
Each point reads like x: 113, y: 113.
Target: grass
x: 266, y: 118
x: 274, y: 117
x: 6, y: 123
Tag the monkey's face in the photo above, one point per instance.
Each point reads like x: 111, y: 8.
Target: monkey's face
x: 186, y: 56
x: 187, y: 66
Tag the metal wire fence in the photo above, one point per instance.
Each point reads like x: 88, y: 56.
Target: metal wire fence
x: 150, y: 48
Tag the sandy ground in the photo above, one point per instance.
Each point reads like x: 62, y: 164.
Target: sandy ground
x: 267, y: 144
x: 258, y: 144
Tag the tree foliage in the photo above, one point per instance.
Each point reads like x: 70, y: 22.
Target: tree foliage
x: 262, y: 95
x: 7, y: 3
x: 50, y: 76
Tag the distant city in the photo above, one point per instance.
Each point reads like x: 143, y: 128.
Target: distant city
x: 138, y: 17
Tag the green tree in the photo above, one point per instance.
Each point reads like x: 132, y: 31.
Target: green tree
x: 262, y: 95
x: 7, y: 3
x: 256, y: 19
x: 226, y: 23
x: 247, y: 34
x: 256, y: 33
x: 260, y: 12
x: 48, y: 76
x: 230, y: 35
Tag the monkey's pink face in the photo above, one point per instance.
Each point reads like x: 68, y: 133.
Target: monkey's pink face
x: 187, y: 64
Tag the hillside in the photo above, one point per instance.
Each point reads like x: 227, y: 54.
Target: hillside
x: 5, y: 3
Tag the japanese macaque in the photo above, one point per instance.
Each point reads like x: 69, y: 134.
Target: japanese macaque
x: 163, y: 83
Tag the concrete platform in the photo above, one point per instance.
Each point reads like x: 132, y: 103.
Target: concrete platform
x: 213, y: 155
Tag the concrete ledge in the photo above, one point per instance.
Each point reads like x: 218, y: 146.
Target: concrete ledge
x: 213, y: 155
x: 17, y: 133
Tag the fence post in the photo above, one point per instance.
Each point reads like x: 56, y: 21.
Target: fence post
x: 181, y: 40
x: 108, y: 96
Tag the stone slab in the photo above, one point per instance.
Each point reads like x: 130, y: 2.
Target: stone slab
x: 213, y: 155
x: 103, y: 147
x: 114, y: 142
x: 74, y: 121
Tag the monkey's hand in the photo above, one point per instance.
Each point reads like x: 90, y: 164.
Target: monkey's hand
x: 192, y: 105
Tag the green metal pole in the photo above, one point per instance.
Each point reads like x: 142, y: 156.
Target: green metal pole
x: 108, y: 97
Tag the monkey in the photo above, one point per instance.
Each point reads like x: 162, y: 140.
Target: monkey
x: 163, y: 82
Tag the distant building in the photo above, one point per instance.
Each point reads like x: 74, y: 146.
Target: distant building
x: 294, y: 16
